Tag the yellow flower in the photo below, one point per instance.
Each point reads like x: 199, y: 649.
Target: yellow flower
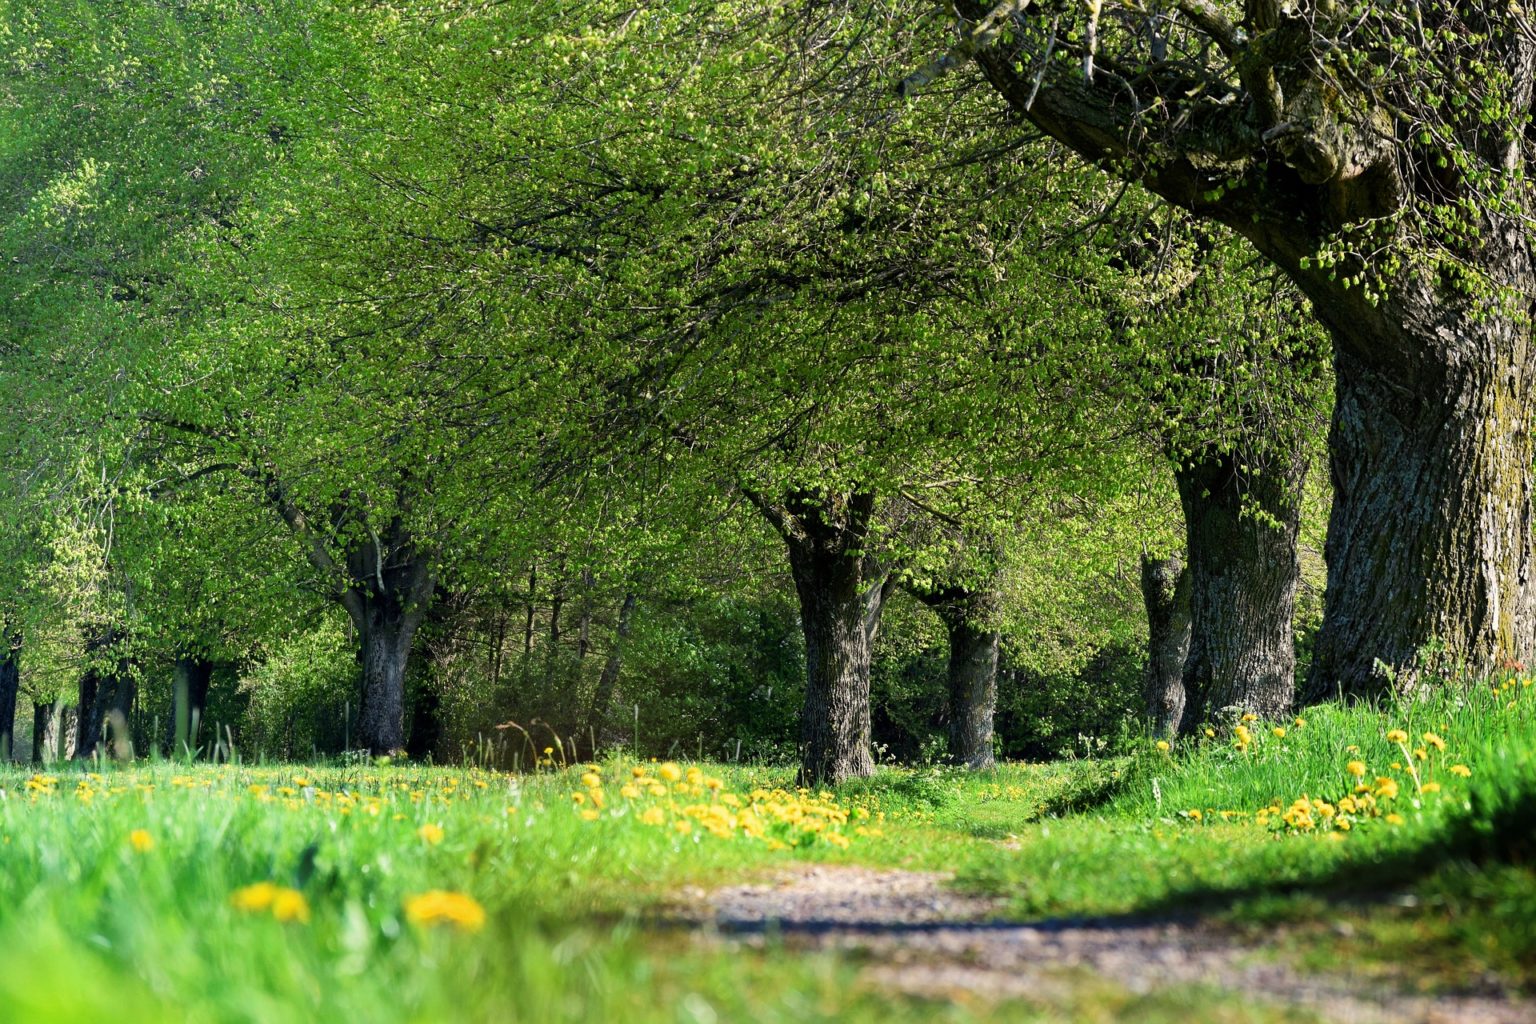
x: 430, y: 834
x: 591, y: 815
x: 290, y: 905
x: 253, y: 897
x: 1421, y: 753
x: 1279, y: 732
x: 1356, y: 768
x: 1459, y: 769
x: 141, y: 840
x: 442, y: 907
x: 1394, y: 818
x: 682, y: 827
x: 629, y: 791
x: 1397, y: 736
x: 1430, y: 787
x: 638, y: 771
x: 1210, y: 733
x: 1162, y: 745
x: 653, y: 816
x: 670, y: 772
x: 1386, y: 787
x: 1194, y: 815
x: 1250, y: 717
x: 1435, y: 741
x: 1300, y: 722
x: 591, y: 780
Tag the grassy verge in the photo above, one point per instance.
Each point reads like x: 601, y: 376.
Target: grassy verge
x: 411, y: 894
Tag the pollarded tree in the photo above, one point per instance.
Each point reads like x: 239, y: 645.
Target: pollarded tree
x: 1377, y: 155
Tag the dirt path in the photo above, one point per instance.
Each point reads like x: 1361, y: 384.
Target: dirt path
x: 918, y: 936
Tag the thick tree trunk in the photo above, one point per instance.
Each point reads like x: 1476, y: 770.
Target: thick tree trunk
x: 189, y: 703
x: 602, y: 697
x: 1430, y: 536
x: 973, y: 651
x: 10, y: 686
x: 386, y: 645
x: 974, y: 646
x: 1241, y: 524
x: 842, y: 590
x: 1165, y: 592
x: 835, y: 719
x: 87, y: 725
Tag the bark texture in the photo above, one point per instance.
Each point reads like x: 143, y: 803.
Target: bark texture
x: 46, y: 730
x: 974, y: 646
x: 1165, y: 593
x: 842, y: 589
x: 1429, y: 537
x: 1241, y: 525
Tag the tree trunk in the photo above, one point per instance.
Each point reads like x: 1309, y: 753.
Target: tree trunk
x: 387, y: 632
x: 584, y: 626
x: 973, y: 651
x: 189, y: 702
x: 533, y: 584
x: 842, y: 590
x: 972, y: 674
x: 1165, y: 592
x: 10, y: 685
x: 47, y: 730
x: 1429, y: 538
x: 602, y: 698
x: 1241, y: 524
x: 88, y: 726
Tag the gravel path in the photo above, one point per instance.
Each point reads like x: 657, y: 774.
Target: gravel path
x: 918, y: 936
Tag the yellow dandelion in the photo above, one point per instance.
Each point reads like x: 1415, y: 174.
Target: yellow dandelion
x: 1460, y: 769
x: 253, y: 898
x: 1434, y: 741
x: 431, y: 834
x: 1300, y: 722
x: 1394, y: 818
x: 670, y: 772
x: 1430, y: 787
x: 290, y: 905
x: 591, y: 780
x: 591, y: 814
x: 1279, y: 732
x: 141, y: 840
x: 653, y: 816
x: 1356, y: 768
x: 442, y: 907
x: 1210, y: 733
x: 1397, y: 736
x: 1162, y: 745
x: 682, y: 828
x: 1386, y: 787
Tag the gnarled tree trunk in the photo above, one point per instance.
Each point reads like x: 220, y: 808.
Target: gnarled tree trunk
x: 1165, y: 592
x: 1430, y: 534
x: 842, y: 589
x: 1241, y: 524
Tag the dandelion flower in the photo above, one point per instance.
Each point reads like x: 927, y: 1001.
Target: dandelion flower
x: 1300, y: 722
x: 591, y: 814
x: 1356, y: 768
x: 1386, y: 787
x: 1162, y: 745
x: 682, y: 828
x: 1210, y: 733
x: 290, y: 905
x: 1394, y: 818
x: 670, y: 772
x: 1279, y: 732
x: 430, y: 834
x: 591, y: 780
x: 1397, y: 736
x: 442, y: 907
x: 141, y: 840
x: 1434, y: 741
x: 1459, y: 769
x: 1430, y: 787
x: 653, y: 816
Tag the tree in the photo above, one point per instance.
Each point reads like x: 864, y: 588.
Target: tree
x: 1377, y: 157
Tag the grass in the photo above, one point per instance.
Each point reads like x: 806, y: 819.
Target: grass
x: 116, y: 888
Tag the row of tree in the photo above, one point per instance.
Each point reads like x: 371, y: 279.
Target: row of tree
x: 337, y: 311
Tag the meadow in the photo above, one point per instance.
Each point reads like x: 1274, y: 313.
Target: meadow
x: 1391, y: 844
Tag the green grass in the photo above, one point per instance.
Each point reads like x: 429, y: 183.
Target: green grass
x: 95, y: 927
